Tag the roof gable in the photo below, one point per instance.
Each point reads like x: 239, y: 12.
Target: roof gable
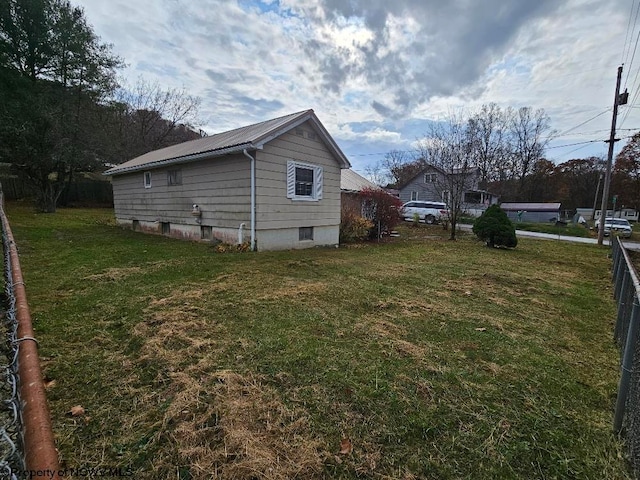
x: 251, y: 137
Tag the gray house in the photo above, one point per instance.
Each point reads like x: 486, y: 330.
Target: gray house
x: 275, y: 184
x: 430, y: 183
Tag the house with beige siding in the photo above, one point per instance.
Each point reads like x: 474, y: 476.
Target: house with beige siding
x: 274, y: 185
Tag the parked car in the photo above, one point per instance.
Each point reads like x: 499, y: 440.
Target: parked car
x: 429, y: 212
x: 619, y: 226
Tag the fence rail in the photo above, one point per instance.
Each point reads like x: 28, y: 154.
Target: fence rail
x: 26, y: 437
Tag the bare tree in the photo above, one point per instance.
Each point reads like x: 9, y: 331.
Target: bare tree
x: 488, y: 129
x: 147, y: 117
x: 528, y: 140
x: 448, y: 148
x: 377, y: 174
x: 394, y: 162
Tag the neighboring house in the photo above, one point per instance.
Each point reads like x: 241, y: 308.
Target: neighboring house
x: 532, y: 212
x: 630, y: 214
x: 427, y: 185
x: 275, y: 184
x: 351, y: 186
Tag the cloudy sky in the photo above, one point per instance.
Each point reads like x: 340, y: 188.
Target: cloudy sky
x: 377, y: 71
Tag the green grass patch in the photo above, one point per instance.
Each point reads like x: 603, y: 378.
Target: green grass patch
x: 436, y: 359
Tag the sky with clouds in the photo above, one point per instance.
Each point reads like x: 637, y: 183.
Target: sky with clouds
x: 376, y: 72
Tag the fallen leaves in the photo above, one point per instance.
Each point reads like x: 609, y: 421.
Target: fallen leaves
x: 76, y: 411
x: 345, y: 446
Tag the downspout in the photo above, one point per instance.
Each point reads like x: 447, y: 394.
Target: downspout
x: 253, y: 199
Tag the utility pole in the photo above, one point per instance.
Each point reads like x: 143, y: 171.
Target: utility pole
x: 617, y: 100
x: 595, y: 200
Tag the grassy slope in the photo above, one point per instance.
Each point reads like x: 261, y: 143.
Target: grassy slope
x: 436, y: 359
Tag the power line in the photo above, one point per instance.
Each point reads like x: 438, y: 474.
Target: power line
x: 572, y: 151
x: 626, y: 35
x: 584, y: 143
x: 593, y: 132
x: 579, y: 125
x: 635, y: 46
x: 572, y: 144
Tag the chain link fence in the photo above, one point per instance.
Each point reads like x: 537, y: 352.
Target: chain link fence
x: 27, y: 446
x: 627, y: 294
x: 11, y: 457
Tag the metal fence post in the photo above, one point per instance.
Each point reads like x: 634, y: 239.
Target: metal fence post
x: 618, y: 281
x: 615, y: 252
x: 627, y: 365
x: 624, y: 298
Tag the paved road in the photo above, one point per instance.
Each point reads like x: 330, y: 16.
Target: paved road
x: 566, y: 238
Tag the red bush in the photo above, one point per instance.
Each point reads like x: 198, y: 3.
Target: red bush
x: 383, y: 209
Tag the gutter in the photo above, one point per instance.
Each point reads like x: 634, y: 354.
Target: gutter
x: 253, y: 198
x: 177, y: 160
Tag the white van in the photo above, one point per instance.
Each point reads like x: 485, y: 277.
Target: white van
x: 428, y: 212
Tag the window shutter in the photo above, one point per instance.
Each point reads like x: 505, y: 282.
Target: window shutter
x: 291, y: 179
x: 317, y: 180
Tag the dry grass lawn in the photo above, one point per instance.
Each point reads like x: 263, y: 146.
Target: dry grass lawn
x: 412, y: 359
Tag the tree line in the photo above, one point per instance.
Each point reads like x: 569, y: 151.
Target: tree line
x: 63, y: 109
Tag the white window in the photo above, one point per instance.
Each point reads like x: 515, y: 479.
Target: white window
x: 430, y: 178
x: 414, y: 196
x: 147, y: 179
x: 304, y: 181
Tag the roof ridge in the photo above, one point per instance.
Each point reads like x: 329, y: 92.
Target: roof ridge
x: 248, y: 136
x: 262, y: 122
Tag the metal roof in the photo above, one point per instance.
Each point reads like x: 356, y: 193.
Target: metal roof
x: 531, y: 206
x: 251, y: 137
x: 353, y: 182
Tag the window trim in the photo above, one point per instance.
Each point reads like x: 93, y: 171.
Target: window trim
x: 318, y: 181
x: 414, y: 194
x: 144, y: 181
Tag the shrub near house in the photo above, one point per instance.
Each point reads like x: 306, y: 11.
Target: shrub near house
x: 384, y: 210
x: 494, y: 227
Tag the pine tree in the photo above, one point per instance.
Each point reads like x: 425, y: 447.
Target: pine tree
x: 495, y: 228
